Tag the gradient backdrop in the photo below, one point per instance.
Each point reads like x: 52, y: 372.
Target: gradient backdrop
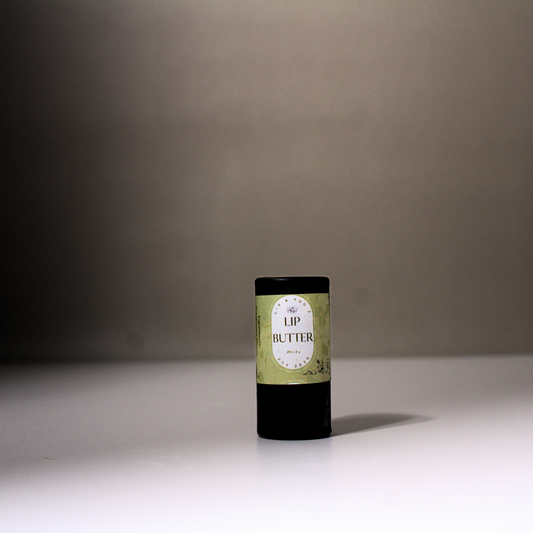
x: 160, y: 155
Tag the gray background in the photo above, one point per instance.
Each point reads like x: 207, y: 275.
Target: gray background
x: 163, y: 154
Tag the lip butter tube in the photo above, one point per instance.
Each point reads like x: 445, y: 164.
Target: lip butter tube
x: 293, y: 358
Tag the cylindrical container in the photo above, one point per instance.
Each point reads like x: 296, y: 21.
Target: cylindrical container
x: 293, y: 358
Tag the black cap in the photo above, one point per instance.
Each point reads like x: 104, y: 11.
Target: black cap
x: 294, y: 285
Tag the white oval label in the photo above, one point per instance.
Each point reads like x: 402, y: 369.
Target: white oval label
x: 292, y: 332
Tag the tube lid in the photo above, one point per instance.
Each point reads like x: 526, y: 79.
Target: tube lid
x: 292, y: 285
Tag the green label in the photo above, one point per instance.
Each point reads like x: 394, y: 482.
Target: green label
x: 292, y: 338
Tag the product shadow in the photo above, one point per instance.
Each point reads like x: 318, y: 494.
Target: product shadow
x: 368, y: 422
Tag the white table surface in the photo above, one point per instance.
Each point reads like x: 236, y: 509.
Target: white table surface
x: 426, y: 445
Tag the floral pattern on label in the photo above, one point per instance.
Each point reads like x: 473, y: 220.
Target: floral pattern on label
x: 292, y: 339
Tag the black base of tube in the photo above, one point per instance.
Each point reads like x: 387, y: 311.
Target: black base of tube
x: 294, y: 412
